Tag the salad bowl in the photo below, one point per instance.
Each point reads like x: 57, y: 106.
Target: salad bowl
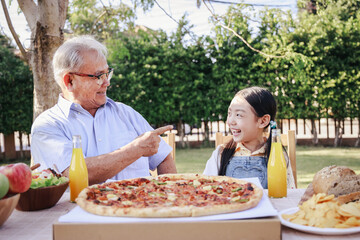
x: 46, y: 189
x: 41, y: 198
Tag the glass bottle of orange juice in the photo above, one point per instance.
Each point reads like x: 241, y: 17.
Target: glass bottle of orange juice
x: 277, y: 185
x: 78, y: 173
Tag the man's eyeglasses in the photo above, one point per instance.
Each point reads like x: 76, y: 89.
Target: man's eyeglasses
x: 100, y: 77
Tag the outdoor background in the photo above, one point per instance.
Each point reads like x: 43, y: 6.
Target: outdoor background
x: 185, y: 72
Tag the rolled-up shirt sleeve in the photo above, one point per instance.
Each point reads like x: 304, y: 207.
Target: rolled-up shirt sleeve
x: 51, y: 149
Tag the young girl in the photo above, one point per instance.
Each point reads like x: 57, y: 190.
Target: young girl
x: 251, y: 111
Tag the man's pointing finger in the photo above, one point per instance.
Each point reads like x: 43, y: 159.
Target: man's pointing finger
x: 161, y: 130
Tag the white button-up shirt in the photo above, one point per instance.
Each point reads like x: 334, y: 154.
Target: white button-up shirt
x: 114, y: 125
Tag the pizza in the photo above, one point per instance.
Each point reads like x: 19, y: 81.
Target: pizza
x: 170, y: 195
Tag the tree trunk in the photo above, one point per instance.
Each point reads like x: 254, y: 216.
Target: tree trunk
x: 10, y: 150
x: 315, y: 139
x: 21, y: 145
x: 0, y: 148
x: 28, y: 140
x: 46, y: 90
x: 180, y: 130
x: 342, y: 130
x: 336, y: 139
x: 338, y: 132
x: 206, y: 141
x: 46, y: 20
x: 358, y: 138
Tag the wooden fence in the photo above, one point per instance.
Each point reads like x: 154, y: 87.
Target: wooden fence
x: 325, y: 129
x: 18, y: 146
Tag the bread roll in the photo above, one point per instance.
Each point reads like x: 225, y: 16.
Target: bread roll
x: 328, y: 177
x: 338, y: 180
x: 355, y: 196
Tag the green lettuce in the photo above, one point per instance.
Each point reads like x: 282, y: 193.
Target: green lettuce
x: 46, y: 182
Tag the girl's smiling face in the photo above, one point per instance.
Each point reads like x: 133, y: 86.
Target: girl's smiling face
x: 245, y: 126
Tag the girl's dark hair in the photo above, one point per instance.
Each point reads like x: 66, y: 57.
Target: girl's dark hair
x: 263, y: 102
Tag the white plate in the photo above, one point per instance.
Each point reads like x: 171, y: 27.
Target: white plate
x: 315, y: 230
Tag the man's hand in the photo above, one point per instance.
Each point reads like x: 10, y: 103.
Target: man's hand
x: 148, y: 143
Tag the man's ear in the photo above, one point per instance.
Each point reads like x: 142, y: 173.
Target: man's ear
x: 264, y: 121
x: 68, y: 82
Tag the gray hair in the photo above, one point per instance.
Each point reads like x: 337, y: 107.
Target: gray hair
x: 69, y: 56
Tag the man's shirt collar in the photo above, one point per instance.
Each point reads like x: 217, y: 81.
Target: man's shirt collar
x: 66, y: 105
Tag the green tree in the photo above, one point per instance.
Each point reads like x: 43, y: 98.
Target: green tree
x: 232, y: 58
x: 288, y: 80
x: 46, y: 20
x: 237, y: 66
x: 163, y: 78
x: 330, y: 38
x: 94, y: 18
x: 16, y: 91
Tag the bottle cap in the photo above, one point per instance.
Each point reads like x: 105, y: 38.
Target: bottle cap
x: 76, y: 137
x: 275, y: 131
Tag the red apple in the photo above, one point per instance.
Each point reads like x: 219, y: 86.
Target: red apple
x: 19, y: 176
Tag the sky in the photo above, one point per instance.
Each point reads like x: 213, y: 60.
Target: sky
x: 156, y: 18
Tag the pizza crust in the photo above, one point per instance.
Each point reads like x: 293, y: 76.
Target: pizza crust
x: 172, y: 211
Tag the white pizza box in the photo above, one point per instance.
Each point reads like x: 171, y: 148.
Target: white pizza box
x: 260, y: 222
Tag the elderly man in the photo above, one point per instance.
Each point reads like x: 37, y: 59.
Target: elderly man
x: 118, y: 143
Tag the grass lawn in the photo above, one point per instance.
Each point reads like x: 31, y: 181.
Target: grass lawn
x: 309, y: 160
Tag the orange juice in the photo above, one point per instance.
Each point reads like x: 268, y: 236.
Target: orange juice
x: 78, y: 173
x: 277, y: 185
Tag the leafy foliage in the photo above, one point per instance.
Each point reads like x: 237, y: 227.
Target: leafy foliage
x: 16, y: 91
x: 164, y: 80
x: 88, y: 17
x: 313, y: 75
x: 93, y: 17
x: 313, y: 72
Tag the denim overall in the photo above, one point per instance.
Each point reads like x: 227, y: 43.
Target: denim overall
x: 247, y: 167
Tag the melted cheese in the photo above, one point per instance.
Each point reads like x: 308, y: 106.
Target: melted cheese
x: 207, y: 188
x: 171, y: 197
x: 234, y: 199
x: 112, y: 197
x: 127, y: 203
x: 196, y: 183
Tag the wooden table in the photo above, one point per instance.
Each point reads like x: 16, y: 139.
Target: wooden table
x: 37, y: 225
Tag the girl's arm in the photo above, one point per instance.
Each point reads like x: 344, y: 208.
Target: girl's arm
x: 213, y: 164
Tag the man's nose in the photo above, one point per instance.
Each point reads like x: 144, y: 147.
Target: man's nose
x: 105, y: 80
